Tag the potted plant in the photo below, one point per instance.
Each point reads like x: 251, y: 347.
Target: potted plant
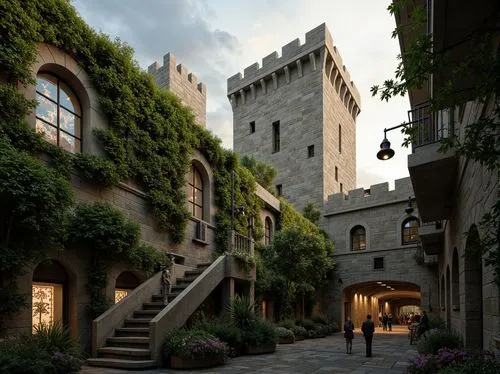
x: 299, y: 332
x: 260, y: 338
x: 194, y: 349
x: 285, y: 336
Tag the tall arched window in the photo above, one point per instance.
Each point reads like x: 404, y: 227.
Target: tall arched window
x: 58, y: 114
x: 268, y: 229
x: 358, y: 238
x: 409, y: 230
x: 195, y: 193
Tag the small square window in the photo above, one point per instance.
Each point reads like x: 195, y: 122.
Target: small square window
x: 378, y: 263
x: 279, y: 189
x: 337, y: 174
x: 252, y: 127
x: 310, y: 151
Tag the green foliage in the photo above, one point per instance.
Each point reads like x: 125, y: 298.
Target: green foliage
x: 283, y: 332
x: 193, y: 343
x: 242, y: 312
x: 50, y: 350
x: 260, y: 333
x: 148, y: 259
x: 56, y: 337
x: 434, y: 340
x: 287, y: 324
x: 101, y: 228
x: 227, y: 333
x: 263, y: 173
x: 312, y: 213
x: 308, y: 324
x: 96, y: 169
x: 320, y: 319
x: 436, y: 322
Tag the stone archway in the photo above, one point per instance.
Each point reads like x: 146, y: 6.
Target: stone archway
x: 378, y: 297
x: 124, y: 284
x: 50, y: 290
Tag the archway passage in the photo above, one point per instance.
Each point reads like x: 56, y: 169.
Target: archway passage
x: 49, y: 294
x: 125, y: 283
x: 378, y: 297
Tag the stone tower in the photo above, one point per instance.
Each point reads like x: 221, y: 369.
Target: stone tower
x: 185, y: 85
x: 298, y: 113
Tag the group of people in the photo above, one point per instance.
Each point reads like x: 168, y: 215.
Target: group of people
x: 368, y: 330
x: 385, y: 321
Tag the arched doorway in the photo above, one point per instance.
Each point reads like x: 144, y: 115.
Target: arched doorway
x: 125, y: 283
x: 49, y: 294
x: 377, y: 298
x: 473, y: 274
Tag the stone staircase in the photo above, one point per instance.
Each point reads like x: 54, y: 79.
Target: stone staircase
x: 129, y: 347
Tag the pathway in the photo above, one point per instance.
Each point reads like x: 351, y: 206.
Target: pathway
x: 391, y: 351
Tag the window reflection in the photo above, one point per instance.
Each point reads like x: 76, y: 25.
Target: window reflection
x: 58, y: 114
x: 195, y: 193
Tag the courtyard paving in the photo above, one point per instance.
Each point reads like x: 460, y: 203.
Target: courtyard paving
x: 391, y: 351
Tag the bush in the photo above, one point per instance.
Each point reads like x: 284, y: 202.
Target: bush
x: 56, y: 338
x: 319, y: 318
x: 32, y: 354
x: 307, y: 324
x: 193, y: 343
x: 451, y: 361
x: 226, y: 333
x: 260, y: 333
x: 242, y: 312
x: 436, y: 323
x: 433, y: 340
x: 299, y: 331
x: 284, y: 333
x: 287, y: 324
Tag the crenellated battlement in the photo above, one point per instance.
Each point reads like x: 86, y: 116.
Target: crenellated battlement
x: 377, y: 194
x: 184, y: 84
x: 318, y: 49
x: 169, y: 67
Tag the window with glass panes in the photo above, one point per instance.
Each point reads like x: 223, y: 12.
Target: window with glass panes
x: 58, y: 113
x: 358, y: 238
x: 410, y: 230
x: 195, y: 193
x: 267, y: 231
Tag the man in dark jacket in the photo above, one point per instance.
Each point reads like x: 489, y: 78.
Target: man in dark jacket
x: 368, y: 329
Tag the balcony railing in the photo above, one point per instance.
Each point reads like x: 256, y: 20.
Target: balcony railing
x: 241, y: 242
x: 427, y: 127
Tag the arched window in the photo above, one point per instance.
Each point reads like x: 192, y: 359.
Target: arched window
x: 58, y: 114
x: 268, y: 229
x: 195, y: 193
x: 358, y: 238
x: 409, y: 231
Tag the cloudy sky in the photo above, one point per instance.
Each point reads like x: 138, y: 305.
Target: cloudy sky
x: 218, y: 38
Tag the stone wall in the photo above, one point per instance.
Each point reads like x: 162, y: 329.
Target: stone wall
x: 177, y: 79
x: 479, y: 307
x: 308, y: 90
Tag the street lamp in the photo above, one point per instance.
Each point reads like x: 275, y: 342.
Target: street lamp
x: 386, y: 152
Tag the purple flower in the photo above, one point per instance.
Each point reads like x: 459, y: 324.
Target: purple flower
x: 58, y: 355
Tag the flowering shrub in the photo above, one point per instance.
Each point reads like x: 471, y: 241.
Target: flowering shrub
x: 193, y: 343
x: 284, y: 333
x: 448, y: 361
x: 299, y: 331
x: 65, y: 363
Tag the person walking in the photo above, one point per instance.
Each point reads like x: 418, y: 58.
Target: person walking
x: 389, y: 321
x: 384, y: 321
x: 348, y: 335
x: 368, y: 329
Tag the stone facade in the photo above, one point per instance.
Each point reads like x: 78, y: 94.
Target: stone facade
x: 127, y: 197
x: 185, y: 85
x: 354, y: 291
x: 308, y: 95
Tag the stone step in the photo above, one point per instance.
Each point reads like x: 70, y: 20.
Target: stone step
x: 193, y: 273
x: 125, y: 353
x: 185, y: 280
x: 204, y: 265
x: 137, y: 322
x: 122, y: 363
x: 132, y: 331
x: 161, y: 297
x: 179, y: 288
x: 154, y: 305
x: 128, y: 342
x: 146, y: 313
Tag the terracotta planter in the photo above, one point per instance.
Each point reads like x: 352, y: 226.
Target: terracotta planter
x: 195, y: 363
x: 260, y: 349
x: 286, y: 340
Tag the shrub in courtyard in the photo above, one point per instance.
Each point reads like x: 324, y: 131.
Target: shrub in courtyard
x: 448, y: 361
x: 193, y: 344
x: 436, y: 322
x: 433, y: 340
x: 260, y: 333
x: 299, y: 331
x: 227, y: 333
x: 320, y: 319
x: 287, y: 324
x: 51, y: 350
x: 285, y: 334
x: 242, y: 312
x: 307, y: 324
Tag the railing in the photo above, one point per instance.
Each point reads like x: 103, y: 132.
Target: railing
x: 438, y: 225
x: 428, y: 127
x: 242, y: 243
